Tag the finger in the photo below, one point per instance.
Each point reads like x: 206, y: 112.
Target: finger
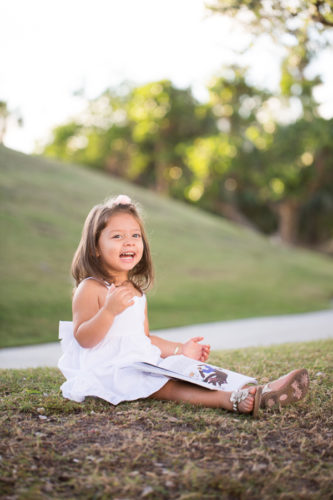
x: 126, y: 301
x: 127, y: 296
x: 197, y: 339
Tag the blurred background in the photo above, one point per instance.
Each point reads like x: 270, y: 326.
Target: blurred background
x: 217, y: 116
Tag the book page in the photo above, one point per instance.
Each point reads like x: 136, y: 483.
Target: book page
x: 197, y: 372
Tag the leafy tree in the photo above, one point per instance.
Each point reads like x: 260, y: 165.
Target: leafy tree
x: 94, y: 135
x: 296, y: 169
x: 161, y: 116
x: 277, y: 175
x: 135, y: 134
x: 220, y: 162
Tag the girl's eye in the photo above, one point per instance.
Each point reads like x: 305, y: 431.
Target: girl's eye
x: 116, y: 236
x: 137, y: 235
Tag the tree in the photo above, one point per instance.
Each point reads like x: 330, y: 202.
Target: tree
x: 276, y: 17
x: 294, y: 170
x: 279, y: 175
x: 5, y: 116
x: 220, y: 162
x: 161, y: 117
x: 4, y: 113
x: 134, y: 134
x: 92, y: 137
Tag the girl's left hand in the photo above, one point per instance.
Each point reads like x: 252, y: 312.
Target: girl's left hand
x: 193, y: 350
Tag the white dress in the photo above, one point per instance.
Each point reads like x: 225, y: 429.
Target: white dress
x: 105, y: 370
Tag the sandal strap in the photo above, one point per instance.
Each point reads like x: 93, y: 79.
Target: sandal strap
x: 266, y: 389
x: 238, y: 396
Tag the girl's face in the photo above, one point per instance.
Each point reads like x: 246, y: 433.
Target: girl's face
x: 120, y: 245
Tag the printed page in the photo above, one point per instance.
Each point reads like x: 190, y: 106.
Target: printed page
x: 200, y: 373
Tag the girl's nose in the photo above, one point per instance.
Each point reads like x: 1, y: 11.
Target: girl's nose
x: 128, y: 240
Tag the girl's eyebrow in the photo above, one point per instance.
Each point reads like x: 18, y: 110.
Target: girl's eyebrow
x: 121, y: 230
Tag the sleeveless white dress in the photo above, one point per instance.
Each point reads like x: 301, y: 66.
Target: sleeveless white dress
x: 106, y: 370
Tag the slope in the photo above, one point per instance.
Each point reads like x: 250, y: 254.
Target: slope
x: 207, y: 268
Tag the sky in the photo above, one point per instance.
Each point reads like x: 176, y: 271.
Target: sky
x: 50, y: 49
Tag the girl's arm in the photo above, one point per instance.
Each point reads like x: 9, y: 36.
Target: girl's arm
x: 167, y: 347
x: 94, y: 310
x: 191, y: 348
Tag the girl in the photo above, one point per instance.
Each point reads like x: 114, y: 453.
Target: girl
x: 112, y: 266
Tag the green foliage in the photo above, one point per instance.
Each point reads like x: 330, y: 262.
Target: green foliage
x: 7, y: 115
x: 233, y: 155
x: 294, y: 166
x: 275, y: 16
x: 229, y: 156
x: 134, y: 135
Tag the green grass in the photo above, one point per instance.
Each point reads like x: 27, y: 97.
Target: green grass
x: 207, y: 268
x: 161, y: 450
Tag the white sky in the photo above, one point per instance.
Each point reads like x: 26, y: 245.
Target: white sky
x: 49, y: 49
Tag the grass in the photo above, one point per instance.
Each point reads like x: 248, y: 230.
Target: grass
x: 207, y: 268
x: 53, y: 448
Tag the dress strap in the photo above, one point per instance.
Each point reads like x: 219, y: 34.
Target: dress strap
x: 100, y: 281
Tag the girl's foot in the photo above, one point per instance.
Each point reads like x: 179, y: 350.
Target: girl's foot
x: 246, y: 400
x: 287, y: 389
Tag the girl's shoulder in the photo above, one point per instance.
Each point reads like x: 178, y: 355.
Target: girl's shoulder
x: 91, y: 285
x: 92, y: 281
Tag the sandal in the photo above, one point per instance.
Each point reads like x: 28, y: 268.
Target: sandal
x: 294, y: 389
x: 238, y: 396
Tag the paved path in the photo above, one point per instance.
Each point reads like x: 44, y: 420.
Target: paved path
x: 222, y: 335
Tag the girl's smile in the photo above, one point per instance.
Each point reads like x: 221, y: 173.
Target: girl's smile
x: 120, y: 245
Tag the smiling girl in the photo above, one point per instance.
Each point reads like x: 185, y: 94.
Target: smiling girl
x: 112, y: 267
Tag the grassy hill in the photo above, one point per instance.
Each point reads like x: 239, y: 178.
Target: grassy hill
x: 207, y: 268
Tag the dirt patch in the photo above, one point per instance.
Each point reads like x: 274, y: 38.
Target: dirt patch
x: 51, y: 448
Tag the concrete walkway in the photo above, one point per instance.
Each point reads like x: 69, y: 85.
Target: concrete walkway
x: 222, y: 335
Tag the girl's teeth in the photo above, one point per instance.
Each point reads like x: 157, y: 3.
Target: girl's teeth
x: 127, y: 255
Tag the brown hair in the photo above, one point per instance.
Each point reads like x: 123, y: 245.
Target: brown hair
x: 85, y: 261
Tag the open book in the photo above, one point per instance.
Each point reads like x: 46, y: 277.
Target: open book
x: 196, y: 372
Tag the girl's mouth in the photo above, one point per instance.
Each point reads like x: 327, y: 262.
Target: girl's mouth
x: 127, y: 256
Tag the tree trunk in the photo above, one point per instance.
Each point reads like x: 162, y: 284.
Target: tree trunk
x: 231, y: 212
x: 288, y: 214
x: 161, y: 183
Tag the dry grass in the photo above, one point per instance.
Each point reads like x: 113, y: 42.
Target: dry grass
x: 51, y: 448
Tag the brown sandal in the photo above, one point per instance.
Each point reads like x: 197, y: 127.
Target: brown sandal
x: 294, y: 389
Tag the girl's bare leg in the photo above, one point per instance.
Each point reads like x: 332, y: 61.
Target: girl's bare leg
x: 175, y: 390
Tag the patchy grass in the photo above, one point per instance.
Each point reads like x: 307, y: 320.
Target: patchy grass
x: 53, y: 448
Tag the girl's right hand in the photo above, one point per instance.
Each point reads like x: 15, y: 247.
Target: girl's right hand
x: 119, y: 298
